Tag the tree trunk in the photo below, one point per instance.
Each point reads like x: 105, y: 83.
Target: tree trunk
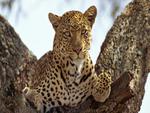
x: 125, y: 54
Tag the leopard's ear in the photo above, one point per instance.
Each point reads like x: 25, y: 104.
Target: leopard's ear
x: 91, y: 13
x: 54, y: 19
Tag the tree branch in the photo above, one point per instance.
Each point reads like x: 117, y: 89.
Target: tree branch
x: 124, y: 54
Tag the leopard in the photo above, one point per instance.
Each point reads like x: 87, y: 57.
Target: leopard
x: 65, y: 76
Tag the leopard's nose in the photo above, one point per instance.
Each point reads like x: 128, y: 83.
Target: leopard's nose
x: 77, y: 50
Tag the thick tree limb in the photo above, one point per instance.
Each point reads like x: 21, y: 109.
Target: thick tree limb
x: 125, y: 54
x: 14, y: 56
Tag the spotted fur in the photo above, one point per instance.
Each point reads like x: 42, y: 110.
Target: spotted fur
x: 66, y: 75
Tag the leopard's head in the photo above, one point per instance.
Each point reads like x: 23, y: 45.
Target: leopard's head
x: 73, y: 32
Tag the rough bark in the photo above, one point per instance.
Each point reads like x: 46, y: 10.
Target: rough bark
x: 14, y: 57
x: 125, y: 54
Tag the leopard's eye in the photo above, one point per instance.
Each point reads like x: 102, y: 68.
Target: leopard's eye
x: 84, y: 32
x: 67, y: 34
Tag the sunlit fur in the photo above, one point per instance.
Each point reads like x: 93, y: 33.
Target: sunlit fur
x: 65, y: 76
x: 74, y: 31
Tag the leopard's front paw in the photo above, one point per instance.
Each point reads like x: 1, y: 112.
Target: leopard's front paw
x: 32, y: 98
x: 101, y: 87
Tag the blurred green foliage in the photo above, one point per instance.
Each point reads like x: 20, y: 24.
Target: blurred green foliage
x: 115, y: 5
x: 7, y: 4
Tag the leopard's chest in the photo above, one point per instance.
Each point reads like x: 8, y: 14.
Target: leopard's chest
x: 74, y: 71
x: 77, y: 92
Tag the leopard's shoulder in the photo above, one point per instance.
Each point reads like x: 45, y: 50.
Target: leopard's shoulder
x: 39, y: 67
